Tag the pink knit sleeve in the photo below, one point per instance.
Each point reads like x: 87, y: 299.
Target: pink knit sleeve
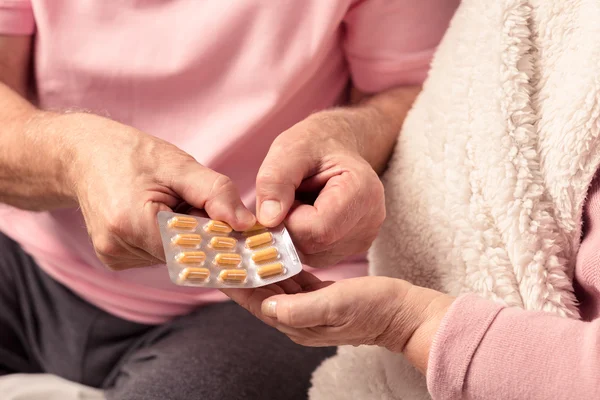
x: 16, y: 17
x: 485, y: 351
x: 390, y: 42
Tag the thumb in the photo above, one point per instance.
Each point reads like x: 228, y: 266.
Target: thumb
x: 278, y: 178
x: 150, y: 239
x: 303, y: 310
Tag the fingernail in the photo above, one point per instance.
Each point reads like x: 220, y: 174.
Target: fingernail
x: 269, y: 308
x: 244, y: 216
x: 269, y: 210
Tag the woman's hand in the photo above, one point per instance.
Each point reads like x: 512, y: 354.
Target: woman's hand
x: 379, y: 311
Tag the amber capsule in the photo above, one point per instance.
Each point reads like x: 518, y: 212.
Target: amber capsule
x: 270, y: 270
x: 194, y: 275
x: 254, y: 230
x: 218, y: 227
x: 187, y: 240
x: 233, y: 275
x: 222, y: 243
x: 191, y: 257
x: 228, y: 259
x: 265, y: 255
x: 181, y: 222
x: 259, y: 240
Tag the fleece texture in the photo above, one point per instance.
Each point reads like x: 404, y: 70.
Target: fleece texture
x: 490, y: 173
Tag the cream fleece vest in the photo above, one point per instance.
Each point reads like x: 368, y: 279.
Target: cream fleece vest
x: 486, y: 188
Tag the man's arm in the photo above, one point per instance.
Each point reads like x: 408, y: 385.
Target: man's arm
x: 380, y: 117
x: 52, y: 160
x: 33, y: 161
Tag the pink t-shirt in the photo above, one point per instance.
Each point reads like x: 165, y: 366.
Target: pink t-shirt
x: 219, y: 81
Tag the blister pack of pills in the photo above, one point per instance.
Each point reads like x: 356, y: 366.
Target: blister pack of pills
x: 202, y: 252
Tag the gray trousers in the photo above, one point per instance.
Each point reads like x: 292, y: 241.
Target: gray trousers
x: 217, y: 352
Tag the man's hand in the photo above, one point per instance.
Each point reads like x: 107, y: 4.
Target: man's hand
x: 122, y: 178
x: 315, y: 179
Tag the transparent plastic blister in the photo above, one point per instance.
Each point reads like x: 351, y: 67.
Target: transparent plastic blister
x: 201, y: 252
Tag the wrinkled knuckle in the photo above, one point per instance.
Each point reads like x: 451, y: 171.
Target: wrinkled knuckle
x: 185, y: 158
x: 374, y: 186
x: 309, y: 248
x: 341, y: 314
x: 366, y: 184
x: 324, y: 235
x: 292, y: 315
x: 114, y: 214
x: 267, y: 175
x: 279, y: 143
x: 334, y: 315
x: 174, y: 167
x: 297, y: 137
x: 378, y: 189
x: 377, y: 196
x: 116, y: 223
x: 304, y: 142
x: 222, y: 185
x: 105, y: 248
x: 306, y: 248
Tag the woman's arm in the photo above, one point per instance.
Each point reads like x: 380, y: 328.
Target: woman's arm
x: 485, y: 351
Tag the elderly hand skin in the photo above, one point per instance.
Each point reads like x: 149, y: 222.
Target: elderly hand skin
x: 121, y: 178
x: 321, y: 175
x: 380, y: 311
x: 320, y: 157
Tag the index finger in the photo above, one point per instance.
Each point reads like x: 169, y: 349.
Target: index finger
x: 303, y: 310
x: 339, y: 207
x: 206, y: 189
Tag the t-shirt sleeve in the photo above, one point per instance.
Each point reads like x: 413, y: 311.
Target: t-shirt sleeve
x: 16, y: 17
x: 390, y: 43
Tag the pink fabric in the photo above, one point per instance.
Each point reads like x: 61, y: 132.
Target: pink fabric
x: 16, y: 17
x: 485, y: 351
x: 214, y: 80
